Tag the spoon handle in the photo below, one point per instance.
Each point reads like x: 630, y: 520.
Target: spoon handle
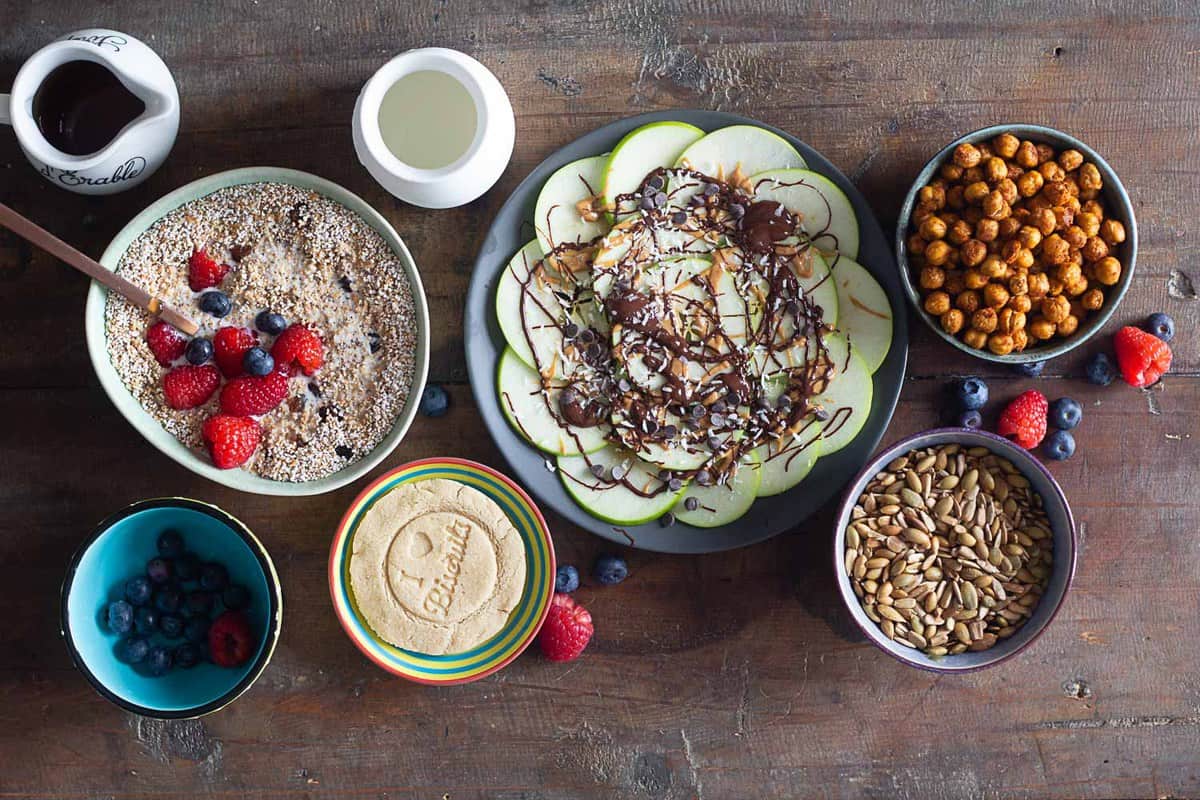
x: 56, y: 247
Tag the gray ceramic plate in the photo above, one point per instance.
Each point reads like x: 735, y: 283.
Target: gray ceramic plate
x: 513, y: 228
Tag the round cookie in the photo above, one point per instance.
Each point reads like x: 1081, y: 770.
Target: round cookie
x: 436, y: 567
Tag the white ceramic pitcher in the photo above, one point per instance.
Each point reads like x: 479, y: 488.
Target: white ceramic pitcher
x: 139, y: 148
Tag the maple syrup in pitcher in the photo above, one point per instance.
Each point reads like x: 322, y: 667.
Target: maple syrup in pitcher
x: 81, y: 107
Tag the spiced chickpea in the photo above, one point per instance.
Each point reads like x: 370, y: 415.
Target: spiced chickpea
x: 932, y: 277
x: 937, y: 303
x: 1056, y: 287
x: 994, y: 268
x: 1009, y: 227
x: 1076, y: 257
x: 1054, y: 249
x: 985, y: 151
x: 1092, y: 299
x: 1020, y: 213
x: 1020, y: 340
x: 1089, y: 178
x: 921, y: 213
x: 1009, y: 251
x: 1020, y: 302
x: 1073, y: 205
x: 972, y: 175
x: 958, y: 232
x: 1024, y: 259
x: 1094, y: 249
x: 967, y: 300
x: 934, y: 195
x: 1075, y: 237
x: 974, y: 279
x: 1030, y: 183
x: 1009, y: 320
x: 1070, y: 160
x: 966, y: 155
x: 1112, y: 232
x: 1067, y: 273
x: 1018, y: 285
x: 1077, y: 286
x: 951, y: 172
x: 1107, y: 270
x: 1005, y: 145
x: 1029, y: 236
x: 1088, y: 222
x: 1055, y: 193
x: 915, y: 245
x: 994, y: 206
x: 1069, y: 325
x: 1045, y: 152
x: 984, y: 320
x: 933, y: 228
x: 1052, y: 172
x: 937, y: 253
x: 952, y: 321
x: 1044, y: 221
x: 1015, y: 170
x: 995, y: 295
x: 972, y: 214
x: 1001, y: 343
x: 974, y: 338
x: 954, y: 282
x: 986, y: 230
x: 1008, y: 190
x: 972, y: 252
x: 1041, y: 328
x: 1039, y: 285
x: 1027, y: 155
x: 975, y: 192
x: 1063, y: 217
x: 954, y: 197
x: 994, y: 169
x: 1056, y: 309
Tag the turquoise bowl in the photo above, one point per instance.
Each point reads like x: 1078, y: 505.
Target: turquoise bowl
x: 117, y: 550
x: 155, y: 433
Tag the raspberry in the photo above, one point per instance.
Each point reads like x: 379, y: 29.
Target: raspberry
x: 230, y: 641
x: 1024, y: 420
x: 1142, y: 356
x: 230, y: 346
x: 165, y: 342
x: 566, y: 631
x: 231, y: 440
x: 299, y: 345
x: 252, y: 396
x: 204, y: 271
x: 190, y: 387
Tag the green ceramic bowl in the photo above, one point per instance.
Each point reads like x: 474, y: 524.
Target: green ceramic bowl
x: 155, y: 433
x: 1115, y: 198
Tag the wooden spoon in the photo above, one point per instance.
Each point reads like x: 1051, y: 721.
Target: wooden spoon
x: 56, y: 247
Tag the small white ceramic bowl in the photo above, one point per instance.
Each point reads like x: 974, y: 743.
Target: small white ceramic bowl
x: 471, y: 174
x: 158, y: 436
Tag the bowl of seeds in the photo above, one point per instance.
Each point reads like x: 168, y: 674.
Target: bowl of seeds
x: 954, y: 549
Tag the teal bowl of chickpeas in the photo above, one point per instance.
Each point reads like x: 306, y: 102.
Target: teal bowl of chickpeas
x: 1016, y: 243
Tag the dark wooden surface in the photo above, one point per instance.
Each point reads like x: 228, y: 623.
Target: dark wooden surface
x: 726, y: 676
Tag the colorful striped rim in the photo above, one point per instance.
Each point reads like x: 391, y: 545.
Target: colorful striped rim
x: 522, y: 626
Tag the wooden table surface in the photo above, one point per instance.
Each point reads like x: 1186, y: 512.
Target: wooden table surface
x: 725, y: 676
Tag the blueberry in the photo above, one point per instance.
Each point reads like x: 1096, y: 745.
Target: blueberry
x: 1065, y: 413
x: 187, y: 567
x: 213, y: 577
x: 270, y: 323
x: 145, y: 620
x: 187, y: 655
x: 170, y: 544
x: 1059, y: 445
x: 566, y: 580
x: 1100, y: 370
x: 235, y: 597
x: 970, y: 419
x: 171, y: 625
x: 133, y: 650
x: 138, y: 590
x: 167, y: 599
x: 158, y: 661
x: 434, y: 401
x: 1030, y: 369
x: 120, y: 616
x: 1161, y: 325
x: 609, y: 569
x: 197, y: 605
x: 216, y: 303
x: 971, y: 394
x: 199, y: 351
x: 158, y: 570
x: 196, y: 630
x: 257, y: 361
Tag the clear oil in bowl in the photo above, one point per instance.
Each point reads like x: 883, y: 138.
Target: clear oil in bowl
x: 428, y: 119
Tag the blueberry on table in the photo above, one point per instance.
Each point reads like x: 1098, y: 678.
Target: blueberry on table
x: 145, y: 620
x: 213, y: 576
x: 196, y: 630
x: 171, y: 625
x: 187, y: 567
x: 158, y: 570
x: 167, y: 599
x: 971, y: 394
x: 197, y: 605
x: 133, y: 650
x: 257, y: 361
x: 270, y: 323
x: 566, y: 579
x: 138, y: 591
x: 199, y: 351
x: 1030, y: 369
x: 170, y: 543
x: 216, y: 303
x: 1059, y: 445
x: 609, y: 569
x: 159, y: 661
x: 1161, y: 325
x: 434, y: 401
x: 187, y: 655
x: 120, y: 616
x: 970, y: 419
x: 235, y: 597
x: 1101, y: 370
x: 1065, y: 413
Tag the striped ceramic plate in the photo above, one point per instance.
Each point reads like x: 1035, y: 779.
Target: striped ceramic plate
x: 522, y: 626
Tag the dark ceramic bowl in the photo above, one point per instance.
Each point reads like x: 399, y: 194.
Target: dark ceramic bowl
x: 1115, y: 199
x: 1063, y: 532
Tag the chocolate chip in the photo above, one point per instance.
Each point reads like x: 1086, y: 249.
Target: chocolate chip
x: 679, y: 217
x: 714, y: 443
x: 315, y: 388
x: 691, y: 503
x: 664, y: 475
x: 719, y: 407
x: 736, y: 210
x: 343, y: 451
x: 821, y: 414
x: 240, y: 251
x: 716, y: 420
x: 734, y: 399
x: 660, y: 200
x: 669, y: 432
x: 596, y: 470
x: 619, y: 472
x: 655, y: 183
x: 675, y: 484
x: 570, y: 330
x: 698, y: 411
x: 646, y: 203
x: 588, y: 336
x: 783, y: 402
x: 624, y: 385
x: 696, y: 201
x: 666, y: 520
x: 710, y: 189
x: 792, y: 308
x: 704, y: 478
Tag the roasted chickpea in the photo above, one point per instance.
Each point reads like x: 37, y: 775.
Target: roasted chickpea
x: 1089, y: 223
x: 933, y: 228
x: 1112, y: 232
x: 1018, y: 285
x: 986, y: 230
x: 1055, y: 249
x: 1030, y: 183
x: 1077, y: 286
x: 972, y: 175
x: 972, y: 252
x: 954, y: 197
x: 1107, y: 270
x: 994, y: 268
x: 1015, y: 170
x: 1070, y: 160
x: 974, y: 279
x: 937, y: 303
x: 1008, y: 190
x: 1008, y: 320
x: 1009, y: 250
x: 985, y: 151
x: 915, y: 245
x: 1056, y: 287
x: 1041, y: 328
x: 1089, y: 178
x: 1069, y: 325
x: 1056, y: 309
x: 1021, y: 214
x: 968, y: 301
x: 1020, y: 340
x: 994, y: 206
x: 1005, y: 145
x: 937, y: 253
x: 1055, y: 193
x: 932, y: 277
x: 1075, y: 237
x: 921, y: 213
x: 966, y: 155
x: 974, y: 338
x: 1000, y: 343
x: 975, y: 192
x: 1024, y: 260
x: 1066, y: 272
x: 1092, y: 300
x: 1044, y: 221
x: 934, y: 195
x: 972, y: 214
x: 1094, y: 249
x: 952, y: 321
x: 1072, y: 202
x: 1020, y: 302
x: 1009, y: 227
x: 951, y: 172
x: 1077, y: 309
x: 1027, y: 155
x: 995, y: 295
x: 958, y: 232
x: 1063, y: 218
x: 1029, y: 236
x: 984, y: 320
x: 994, y: 169
x: 1052, y: 172
x: 1039, y: 285
x: 954, y: 282
x: 1045, y: 152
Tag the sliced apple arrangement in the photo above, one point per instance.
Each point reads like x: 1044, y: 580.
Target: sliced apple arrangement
x: 689, y: 330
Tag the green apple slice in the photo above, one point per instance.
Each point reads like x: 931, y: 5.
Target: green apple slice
x: 644, y: 149
x: 847, y: 398
x: 556, y: 216
x: 533, y: 411
x: 825, y: 212
x: 745, y: 148
x: 721, y: 504
x: 819, y: 287
x: 865, y: 315
x: 509, y: 297
x: 785, y: 462
x: 611, y: 501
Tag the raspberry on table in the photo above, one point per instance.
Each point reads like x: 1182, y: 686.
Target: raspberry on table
x: 299, y: 346
x: 252, y: 396
x: 1024, y: 420
x: 231, y: 440
x: 189, y: 386
x: 567, y: 630
x: 1142, y: 357
x: 166, y: 342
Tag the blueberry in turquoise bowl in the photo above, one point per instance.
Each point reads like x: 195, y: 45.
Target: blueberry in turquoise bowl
x: 171, y: 608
